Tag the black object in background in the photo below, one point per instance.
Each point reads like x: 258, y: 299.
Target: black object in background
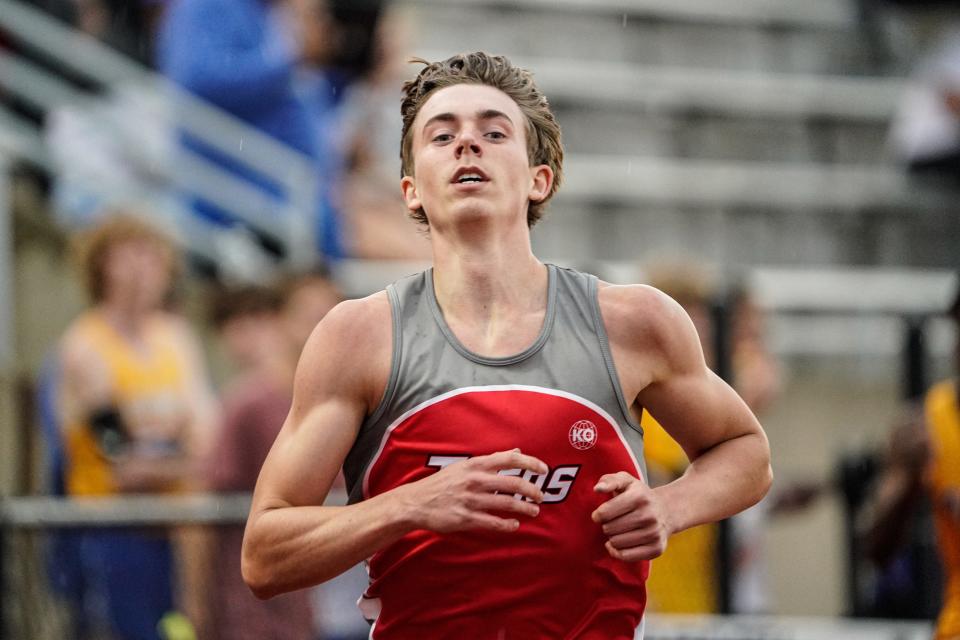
x: 107, y: 426
x: 356, y: 52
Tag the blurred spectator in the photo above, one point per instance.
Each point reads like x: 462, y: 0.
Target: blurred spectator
x: 114, y: 150
x: 756, y: 373
x: 251, y: 328
x: 924, y: 457
x: 371, y: 200
x: 307, y: 297
x: 357, y: 25
x: 758, y: 378
x: 262, y: 334
x: 63, y: 561
x: 898, y: 522
x: 684, y: 579
x: 126, y: 25
x: 111, y: 152
x: 926, y: 128
x: 243, y: 56
x: 898, y: 32
x: 137, y: 414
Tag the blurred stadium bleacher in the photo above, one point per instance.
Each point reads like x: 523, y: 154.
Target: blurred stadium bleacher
x: 749, y: 136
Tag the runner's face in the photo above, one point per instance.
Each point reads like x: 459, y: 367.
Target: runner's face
x: 470, y: 158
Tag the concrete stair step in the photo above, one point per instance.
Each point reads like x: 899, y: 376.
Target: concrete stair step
x: 760, y: 35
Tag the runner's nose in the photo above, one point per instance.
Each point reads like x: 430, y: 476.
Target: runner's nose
x: 467, y: 141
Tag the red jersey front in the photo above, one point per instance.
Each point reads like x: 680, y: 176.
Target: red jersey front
x: 552, y: 578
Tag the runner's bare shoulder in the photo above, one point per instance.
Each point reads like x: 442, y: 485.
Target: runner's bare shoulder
x: 638, y: 312
x: 352, y: 346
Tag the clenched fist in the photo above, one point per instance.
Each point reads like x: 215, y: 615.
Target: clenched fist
x: 634, y: 519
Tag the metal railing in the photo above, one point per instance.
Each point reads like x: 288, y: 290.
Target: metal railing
x: 712, y: 627
x: 46, y: 514
x: 290, y: 220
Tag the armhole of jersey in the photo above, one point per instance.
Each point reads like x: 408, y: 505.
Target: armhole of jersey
x: 593, y: 292
x: 397, y: 340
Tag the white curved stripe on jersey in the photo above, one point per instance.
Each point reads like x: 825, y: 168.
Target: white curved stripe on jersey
x: 498, y: 387
x: 370, y: 608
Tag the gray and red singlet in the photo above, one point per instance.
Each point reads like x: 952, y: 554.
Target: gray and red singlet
x: 560, y: 401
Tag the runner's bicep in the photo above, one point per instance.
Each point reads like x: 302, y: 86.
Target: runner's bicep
x: 699, y: 410
x: 307, y: 455
x: 331, y: 397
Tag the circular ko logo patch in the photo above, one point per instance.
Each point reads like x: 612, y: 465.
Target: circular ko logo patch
x: 583, y: 435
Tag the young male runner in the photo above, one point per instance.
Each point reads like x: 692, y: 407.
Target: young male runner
x: 482, y: 409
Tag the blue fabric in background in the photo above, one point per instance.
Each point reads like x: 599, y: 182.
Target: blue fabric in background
x: 115, y: 578
x: 133, y: 574
x: 63, y: 558
x: 238, y: 55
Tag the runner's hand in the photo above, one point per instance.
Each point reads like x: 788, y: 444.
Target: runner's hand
x: 634, y: 519
x: 462, y: 496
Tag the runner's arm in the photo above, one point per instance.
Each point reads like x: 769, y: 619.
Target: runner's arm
x: 727, y: 448
x: 291, y: 540
x: 661, y: 366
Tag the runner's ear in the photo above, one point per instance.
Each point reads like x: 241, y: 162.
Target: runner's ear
x: 408, y: 186
x: 542, y: 182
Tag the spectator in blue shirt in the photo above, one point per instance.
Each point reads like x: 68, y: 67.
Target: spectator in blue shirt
x: 243, y: 56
